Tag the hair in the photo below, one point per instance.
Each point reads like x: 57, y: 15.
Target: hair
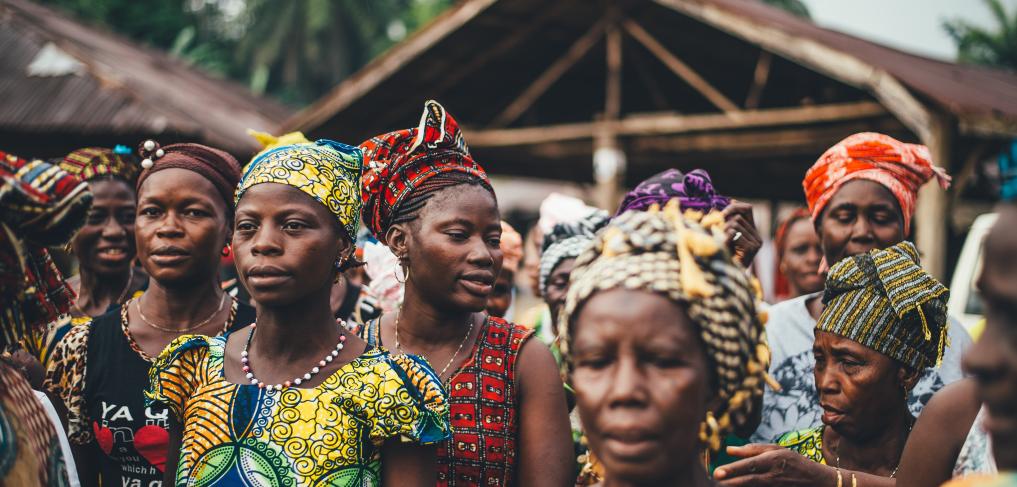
x: 410, y: 208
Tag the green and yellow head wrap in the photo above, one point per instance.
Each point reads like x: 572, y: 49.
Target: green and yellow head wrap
x: 884, y: 300
x: 326, y: 170
x: 683, y: 257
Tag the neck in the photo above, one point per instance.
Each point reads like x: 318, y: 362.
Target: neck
x: 693, y: 475
x: 94, y: 289
x: 297, y: 330
x: 420, y: 322
x: 181, y: 306
x: 875, y: 453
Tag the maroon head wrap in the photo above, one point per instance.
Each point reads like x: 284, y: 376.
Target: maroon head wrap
x: 217, y: 166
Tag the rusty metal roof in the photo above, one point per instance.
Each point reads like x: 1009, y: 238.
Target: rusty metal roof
x: 61, y: 80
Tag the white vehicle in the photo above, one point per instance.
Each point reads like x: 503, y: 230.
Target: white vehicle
x: 965, y: 301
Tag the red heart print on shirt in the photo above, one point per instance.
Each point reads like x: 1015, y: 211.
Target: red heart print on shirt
x: 103, y: 436
x: 152, y: 443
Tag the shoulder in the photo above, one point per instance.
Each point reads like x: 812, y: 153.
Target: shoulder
x: 791, y: 313
x: 421, y: 380
x: 502, y: 332
x: 953, y: 407
x: 188, y: 351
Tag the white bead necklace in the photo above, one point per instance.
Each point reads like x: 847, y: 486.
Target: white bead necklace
x: 245, y: 361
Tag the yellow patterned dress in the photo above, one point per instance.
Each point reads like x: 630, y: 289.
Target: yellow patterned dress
x: 807, y: 443
x: 327, y: 435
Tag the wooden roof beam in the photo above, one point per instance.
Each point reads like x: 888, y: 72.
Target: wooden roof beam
x: 678, y: 67
x: 669, y: 123
x: 550, y: 75
x: 759, y: 79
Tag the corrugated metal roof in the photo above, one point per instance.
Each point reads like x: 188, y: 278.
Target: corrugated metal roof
x: 123, y: 88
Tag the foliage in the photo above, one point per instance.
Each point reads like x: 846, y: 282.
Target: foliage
x: 794, y: 6
x: 976, y: 45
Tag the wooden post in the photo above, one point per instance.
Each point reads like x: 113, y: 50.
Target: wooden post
x: 932, y: 209
x: 608, y: 158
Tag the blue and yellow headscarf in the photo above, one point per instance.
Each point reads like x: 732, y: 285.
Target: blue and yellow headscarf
x: 325, y: 170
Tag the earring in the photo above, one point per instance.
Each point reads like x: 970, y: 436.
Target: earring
x: 227, y: 250
x: 406, y: 275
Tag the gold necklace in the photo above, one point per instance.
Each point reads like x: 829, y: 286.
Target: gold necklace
x: 454, y: 355
x: 204, y: 322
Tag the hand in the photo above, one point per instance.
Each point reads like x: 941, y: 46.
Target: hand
x: 738, y: 219
x: 772, y: 466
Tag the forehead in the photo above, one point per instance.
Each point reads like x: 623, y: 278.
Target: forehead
x: 863, y: 193
x: 110, y: 189
x: 177, y: 183
x: 999, y: 274
x: 470, y: 202
x: 629, y: 315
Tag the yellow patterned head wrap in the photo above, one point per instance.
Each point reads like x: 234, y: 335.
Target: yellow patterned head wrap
x: 325, y: 170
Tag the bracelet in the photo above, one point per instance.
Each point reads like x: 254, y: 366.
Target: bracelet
x: 854, y: 481
x: 840, y: 479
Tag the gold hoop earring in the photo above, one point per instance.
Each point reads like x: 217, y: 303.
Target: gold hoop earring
x: 406, y: 275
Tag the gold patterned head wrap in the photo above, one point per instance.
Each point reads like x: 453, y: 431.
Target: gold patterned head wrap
x: 326, y: 170
x: 884, y: 300
x: 92, y: 162
x: 683, y: 257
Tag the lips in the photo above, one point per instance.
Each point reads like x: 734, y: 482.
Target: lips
x: 630, y: 444
x: 831, y: 415
x: 478, y: 283
x: 112, y: 254
x: 168, y: 255
x: 262, y: 276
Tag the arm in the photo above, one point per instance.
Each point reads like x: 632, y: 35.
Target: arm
x: 169, y: 475
x: 408, y: 464
x: 774, y: 466
x: 938, y: 435
x: 545, y: 438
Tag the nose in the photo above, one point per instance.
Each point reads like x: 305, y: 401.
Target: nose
x: 827, y: 380
x: 862, y: 230
x: 265, y: 242
x: 814, y: 255
x: 628, y: 385
x: 113, y: 230
x: 482, y: 255
x: 169, y: 226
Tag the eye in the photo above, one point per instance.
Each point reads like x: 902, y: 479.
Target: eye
x: 150, y: 211
x: 95, y: 217
x: 494, y: 241
x: 294, y: 225
x: 666, y: 361
x: 596, y: 362
x: 245, y: 226
x: 457, y: 236
x: 126, y: 217
x: 195, y: 212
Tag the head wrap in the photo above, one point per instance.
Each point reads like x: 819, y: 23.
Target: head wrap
x: 884, y: 300
x: 566, y: 241
x: 901, y: 168
x: 694, y: 191
x: 779, y: 240
x: 327, y: 171
x: 511, y: 247
x: 217, y: 166
x: 40, y: 205
x: 93, y: 162
x: 683, y: 258
x: 558, y: 208
x: 400, y: 163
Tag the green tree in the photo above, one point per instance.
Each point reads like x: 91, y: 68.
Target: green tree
x: 794, y: 6
x: 991, y: 47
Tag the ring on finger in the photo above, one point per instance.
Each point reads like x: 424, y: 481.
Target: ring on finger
x: 737, y: 236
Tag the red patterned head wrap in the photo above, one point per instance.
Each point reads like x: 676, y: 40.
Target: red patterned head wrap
x: 217, y: 166
x: 901, y: 168
x: 397, y: 163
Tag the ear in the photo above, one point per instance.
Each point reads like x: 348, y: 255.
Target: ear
x: 908, y: 377
x: 344, y: 247
x: 398, y: 237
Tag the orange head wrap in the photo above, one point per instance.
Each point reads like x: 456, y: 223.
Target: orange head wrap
x: 901, y: 168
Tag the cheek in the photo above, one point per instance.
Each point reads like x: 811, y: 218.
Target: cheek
x: 679, y: 393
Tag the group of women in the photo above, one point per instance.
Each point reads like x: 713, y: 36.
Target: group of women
x: 664, y: 362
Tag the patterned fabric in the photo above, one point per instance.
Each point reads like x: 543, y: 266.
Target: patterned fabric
x: 683, y: 258
x: 976, y: 454
x: 65, y: 379
x: 325, y: 170
x: 807, y: 443
x: 567, y: 241
x: 92, y: 162
x: 399, y: 162
x: 327, y: 435
x: 30, y: 453
x: 884, y: 300
x: 217, y: 166
x: 511, y: 247
x: 694, y: 191
x: 901, y: 168
x: 40, y: 205
x: 484, y: 408
x: 1001, y: 480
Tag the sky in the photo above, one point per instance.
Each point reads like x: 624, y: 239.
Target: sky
x: 909, y: 25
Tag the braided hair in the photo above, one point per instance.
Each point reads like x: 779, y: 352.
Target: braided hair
x: 683, y: 257
x: 410, y: 208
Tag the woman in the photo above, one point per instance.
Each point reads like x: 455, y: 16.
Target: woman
x: 861, y: 195
x: 992, y: 361
x: 884, y: 322
x: 695, y: 191
x: 558, y: 256
x: 40, y: 205
x: 499, y: 303
x: 798, y: 256
x: 104, y: 246
x: 663, y: 346
x: 433, y: 206
x: 261, y: 406
x: 100, y: 369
